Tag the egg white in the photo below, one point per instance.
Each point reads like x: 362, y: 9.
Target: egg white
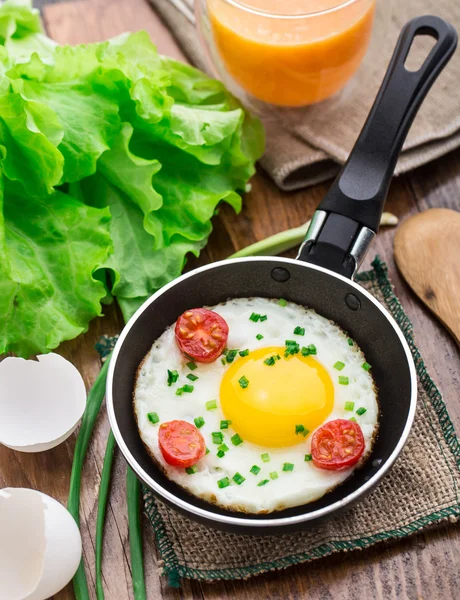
x: 306, y: 482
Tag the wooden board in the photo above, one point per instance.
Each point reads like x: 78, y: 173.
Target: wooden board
x: 422, y: 567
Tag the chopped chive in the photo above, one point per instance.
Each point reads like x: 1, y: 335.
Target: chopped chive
x: 263, y: 482
x: 259, y: 336
x: 223, y: 360
x: 255, y: 470
x: 223, y: 483
x: 220, y: 454
x: 191, y: 365
x: 299, y: 331
x: 353, y: 419
x: 270, y: 361
x: 282, y: 302
x: 243, y: 352
x: 210, y: 404
x: 236, y: 440
x: 349, y: 405
x: 238, y: 478
x: 184, y: 389
x: 153, y: 417
x: 343, y: 380
x: 199, y: 422
x: 361, y: 411
x: 292, y: 347
x: 273, y: 475
x: 254, y: 317
x: 207, y: 450
x: 299, y: 429
x: 225, y: 351
x: 288, y: 467
x: 225, y: 424
x: 244, y: 382
x: 231, y: 355
x: 350, y: 342
x: 192, y: 377
x: 366, y: 366
x: 173, y: 376
x: 339, y: 365
x: 191, y: 470
x: 265, y: 457
x: 263, y: 318
x: 223, y: 448
x: 312, y: 349
x: 308, y: 457
x: 217, y: 437
x: 305, y: 351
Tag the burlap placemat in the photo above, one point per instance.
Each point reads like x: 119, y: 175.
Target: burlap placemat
x: 306, y: 146
x: 422, y: 489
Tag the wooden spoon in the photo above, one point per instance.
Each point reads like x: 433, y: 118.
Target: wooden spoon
x: 427, y: 253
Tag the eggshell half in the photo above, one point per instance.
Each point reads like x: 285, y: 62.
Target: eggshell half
x: 40, y: 545
x: 41, y: 402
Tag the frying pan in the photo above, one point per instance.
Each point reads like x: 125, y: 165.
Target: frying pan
x: 321, y: 278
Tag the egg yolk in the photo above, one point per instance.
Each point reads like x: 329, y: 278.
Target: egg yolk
x: 296, y: 390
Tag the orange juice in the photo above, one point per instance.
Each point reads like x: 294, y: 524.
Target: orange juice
x: 291, y: 59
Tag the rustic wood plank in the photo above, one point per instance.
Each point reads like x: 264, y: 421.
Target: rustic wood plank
x: 424, y: 566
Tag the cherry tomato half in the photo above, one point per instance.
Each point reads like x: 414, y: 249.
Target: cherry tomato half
x: 201, y: 334
x: 181, y: 444
x: 337, y: 445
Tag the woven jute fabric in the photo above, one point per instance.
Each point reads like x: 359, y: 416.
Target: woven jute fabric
x: 422, y: 489
x: 306, y: 146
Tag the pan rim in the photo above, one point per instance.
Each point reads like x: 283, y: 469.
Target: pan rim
x: 254, y: 523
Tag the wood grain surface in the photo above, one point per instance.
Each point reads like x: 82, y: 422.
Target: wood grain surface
x: 424, y: 566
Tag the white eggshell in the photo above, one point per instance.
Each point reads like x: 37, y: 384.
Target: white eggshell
x: 41, y: 402
x: 40, y: 545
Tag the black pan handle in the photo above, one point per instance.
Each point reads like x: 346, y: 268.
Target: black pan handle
x: 349, y: 215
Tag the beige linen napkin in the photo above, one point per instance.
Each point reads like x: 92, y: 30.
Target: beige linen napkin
x: 306, y: 146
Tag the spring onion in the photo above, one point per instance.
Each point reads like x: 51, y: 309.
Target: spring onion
x: 220, y: 454
x: 292, y: 347
x: 199, y: 422
x: 238, y: 478
x: 343, y: 380
x: 133, y: 496
x: 366, y: 366
x: 191, y: 470
x: 308, y: 457
x: 236, y: 440
x: 282, y: 302
x: 192, y: 377
x: 263, y: 318
x: 349, y: 405
x: 243, y: 352
x: 153, y: 417
x: 185, y: 389
x: 361, y: 411
x: 223, y: 483
x: 273, y: 475
x: 223, y: 360
x: 231, y: 355
x: 244, y: 382
x: 259, y: 336
x: 353, y: 419
x: 211, y: 404
x: 305, y: 351
x: 339, y: 365
x: 191, y: 365
x: 255, y: 470
x: 350, y: 342
x: 225, y: 424
x: 263, y: 482
x: 288, y: 466
x: 223, y: 448
x: 265, y: 457
x: 302, y: 430
x: 217, y: 437
x: 312, y: 349
x: 254, y: 317
x: 173, y: 376
x: 299, y: 331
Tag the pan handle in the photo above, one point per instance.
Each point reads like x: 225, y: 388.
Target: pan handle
x: 348, y: 217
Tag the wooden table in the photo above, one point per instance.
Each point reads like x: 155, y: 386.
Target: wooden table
x: 424, y: 566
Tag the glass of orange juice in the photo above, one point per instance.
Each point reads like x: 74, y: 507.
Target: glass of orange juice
x: 286, y: 52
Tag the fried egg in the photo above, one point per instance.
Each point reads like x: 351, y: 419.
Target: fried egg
x: 258, y: 405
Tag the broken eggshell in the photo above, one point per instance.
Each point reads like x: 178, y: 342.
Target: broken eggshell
x: 41, y: 402
x: 40, y: 545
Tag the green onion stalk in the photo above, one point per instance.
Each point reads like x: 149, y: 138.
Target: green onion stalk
x: 271, y: 246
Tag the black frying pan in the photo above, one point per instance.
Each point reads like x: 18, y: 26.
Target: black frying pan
x: 321, y: 278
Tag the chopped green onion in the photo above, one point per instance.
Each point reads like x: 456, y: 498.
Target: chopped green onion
x: 299, y: 429
x: 305, y: 351
x: 225, y: 351
x: 339, y: 365
x: 349, y: 405
x: 350, y: 342
x: 263, y: 318
x: 282, y: 302
x: 210, y: 404
x: 308, y: 457
x: 273, y: 475
x: 238, y: 478
x: 223, y: 483
x: 270, y: 361
x: 220, y: 454
x: 343, y: 380
x: 223, y: 360
x: 361, y: 411
x: 225, y: 424
x: 259, y: 336
x: 263, y: 482
x: 236, y: 440
x: 244, y: 382
x: 299, y: 331
x: 153, y: 417
x: 265, y: 457
x: 191, y: 365
x: 192, y: 377
x: 254, y: 317
x: 366, y: 366
x: 217, y: 437
x: 312, y: 349
x: 353, y: 419
x: 231, y: 355
x: 255, y: 470
x: 191, y: 470
x: 288, y: 467
x: 173, y: 376
x: 223, y: 448
x: 243, y: 352
x: 184, y: 389
x: 207, y: 450
x: 292, y: 348
x: 199, y: 422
